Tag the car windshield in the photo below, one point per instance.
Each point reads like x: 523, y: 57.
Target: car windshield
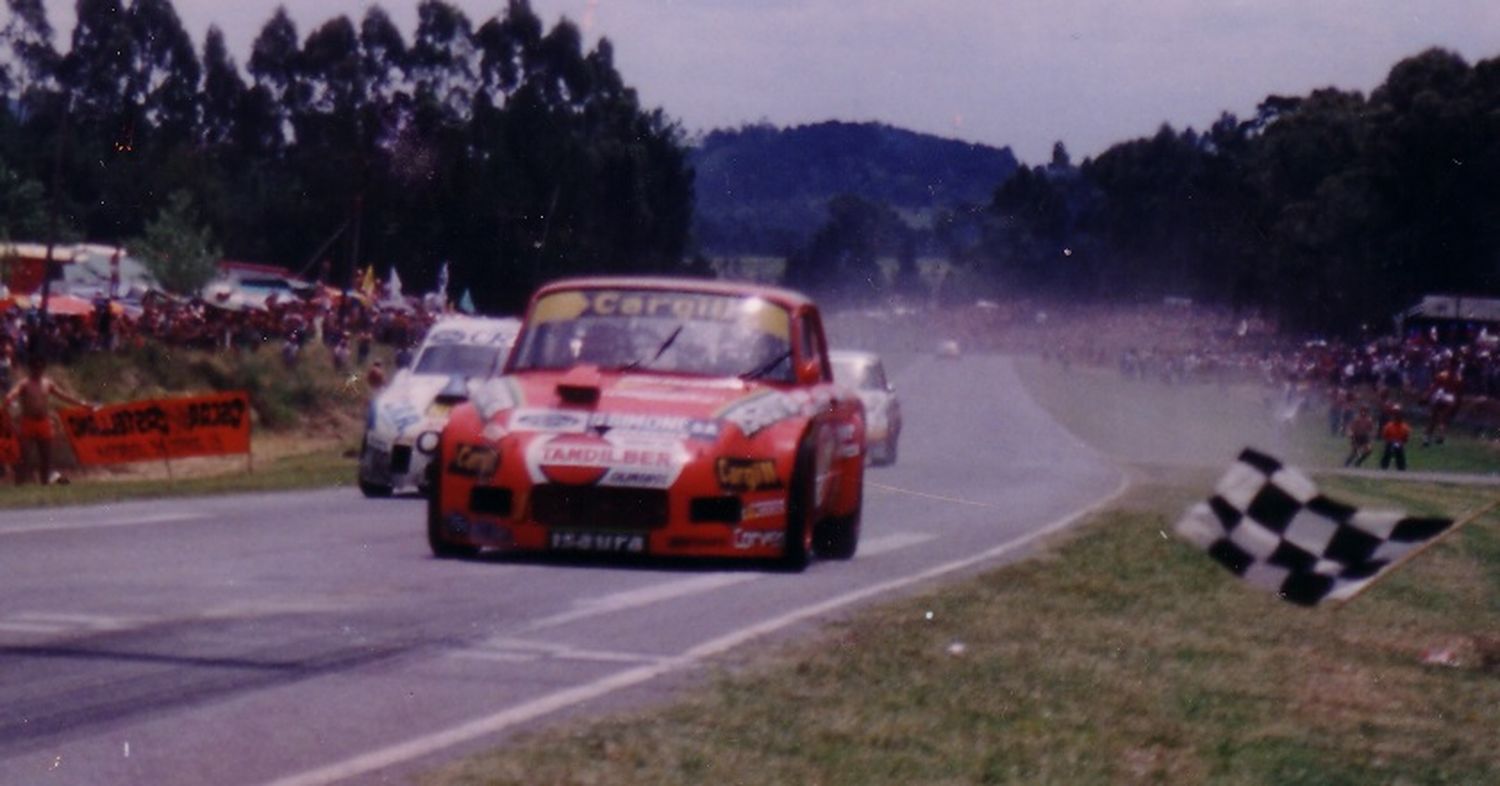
x: 858, y: 375
x: 459, y: 360
x: 691, y: 333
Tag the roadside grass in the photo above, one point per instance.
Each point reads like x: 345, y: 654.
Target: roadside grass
x: 309, y: 468
x: 1118, y: 656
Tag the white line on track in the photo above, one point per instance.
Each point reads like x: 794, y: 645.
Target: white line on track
x: 893, y: 542
x: 543, y: 705
x: 670, y: 590
x: 64, y: 526
x: 503, y: 648
x: 925, y: 495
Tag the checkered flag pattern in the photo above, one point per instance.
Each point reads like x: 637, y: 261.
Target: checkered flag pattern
x: 1268, y: 524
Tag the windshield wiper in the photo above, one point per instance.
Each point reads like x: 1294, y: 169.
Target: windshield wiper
x: 767, y: 367
x: 661, y: 350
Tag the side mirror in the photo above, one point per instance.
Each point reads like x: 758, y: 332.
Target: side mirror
x: 809, y: 371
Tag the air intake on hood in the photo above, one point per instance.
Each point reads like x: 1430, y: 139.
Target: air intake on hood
x: 455, y: 391
x: 579, y: 386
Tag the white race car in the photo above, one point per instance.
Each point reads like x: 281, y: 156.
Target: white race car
x: 863, y: 373
x: 405, y: 419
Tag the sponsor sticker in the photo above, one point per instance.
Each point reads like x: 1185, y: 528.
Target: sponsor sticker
x: 610, y: 460
x: 608, y: 542
x: 746, y: 475
x: 558, y: 421
x: 755, y: 413
x: 554, y: 421
x: 765, y: 509
x: 694, y: 428
x: 755, y: 539
x: 400, y: 414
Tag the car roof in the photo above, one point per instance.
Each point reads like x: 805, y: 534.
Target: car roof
x: 470, y: 321
x: 783, y: 297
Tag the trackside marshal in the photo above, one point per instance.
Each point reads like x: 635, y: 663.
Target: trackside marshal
x: 214, y: 424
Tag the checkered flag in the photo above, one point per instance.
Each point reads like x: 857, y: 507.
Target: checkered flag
x: 1268, y: 524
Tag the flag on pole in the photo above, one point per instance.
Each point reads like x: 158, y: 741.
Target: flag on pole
x: 1268, y: 524
x: 442, y: 282
x: 395, y: 293
x: 367, y: 282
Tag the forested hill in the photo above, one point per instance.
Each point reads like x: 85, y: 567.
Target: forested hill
x: 765, y: 190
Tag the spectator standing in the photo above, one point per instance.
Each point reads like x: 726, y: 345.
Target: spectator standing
x: 1361, y: 435
x: 1395, y: 434
x: 341, y: 354
x: 34, y: 392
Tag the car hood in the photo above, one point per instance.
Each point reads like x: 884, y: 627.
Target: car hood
x: 405, y: 401
x: 586, y: 399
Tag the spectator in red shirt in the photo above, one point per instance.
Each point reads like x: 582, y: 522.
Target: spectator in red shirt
x: 1395, y: 434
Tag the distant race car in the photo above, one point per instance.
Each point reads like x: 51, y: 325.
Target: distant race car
x: 657, y: 417
x: 406, y: 417
x: 863, y: 373
x: 947, y: 348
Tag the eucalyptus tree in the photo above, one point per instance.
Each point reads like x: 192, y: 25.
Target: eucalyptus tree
x: 274, y: 65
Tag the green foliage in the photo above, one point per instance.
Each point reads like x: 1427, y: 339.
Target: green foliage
x: 1331, y: 211
x: 178, y: 252
x: 280, y: 397
x: 764, y: 190
x: 23, y: 211
x: 505, y: 149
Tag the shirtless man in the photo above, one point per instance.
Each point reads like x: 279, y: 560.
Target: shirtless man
x: 36, y: 422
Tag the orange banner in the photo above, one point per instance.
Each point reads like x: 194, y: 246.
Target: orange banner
x: 10, y: 447
x: 154, y: 429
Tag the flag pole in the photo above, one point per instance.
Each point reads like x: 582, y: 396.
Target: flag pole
x: 1467, y: 518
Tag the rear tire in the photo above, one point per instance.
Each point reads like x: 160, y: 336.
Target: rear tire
x: 441, y: 548
x: 799, y: 507
x: 374, y: 490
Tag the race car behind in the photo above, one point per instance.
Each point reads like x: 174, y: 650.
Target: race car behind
x: 863, y: 373
x: 406, y: 417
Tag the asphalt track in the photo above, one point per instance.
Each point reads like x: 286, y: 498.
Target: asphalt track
x: 309, y: 637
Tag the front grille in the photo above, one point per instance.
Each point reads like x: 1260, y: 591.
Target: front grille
x: 598, y: 507
x: 490, y: 500
x: 721, y: 510
x: 401, y: 459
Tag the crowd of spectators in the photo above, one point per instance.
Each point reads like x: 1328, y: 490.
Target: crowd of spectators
x: 1183, y: 343
x: 1439, y: 374
x: 348, y: 328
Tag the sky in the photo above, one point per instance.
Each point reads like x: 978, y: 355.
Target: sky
x: 1017, y: 73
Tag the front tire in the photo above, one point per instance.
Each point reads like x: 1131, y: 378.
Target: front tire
x: 374, y: 490
x: 837, y: 537
x: 441, y: 547
x: 799, y: 510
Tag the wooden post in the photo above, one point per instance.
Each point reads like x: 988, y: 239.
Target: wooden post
x: 1467, y: 518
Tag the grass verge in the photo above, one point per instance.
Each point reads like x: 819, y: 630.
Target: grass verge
x: 328, y: 466
x: 1121, y: 656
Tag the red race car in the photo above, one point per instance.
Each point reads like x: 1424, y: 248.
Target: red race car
x: 656, y: 417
